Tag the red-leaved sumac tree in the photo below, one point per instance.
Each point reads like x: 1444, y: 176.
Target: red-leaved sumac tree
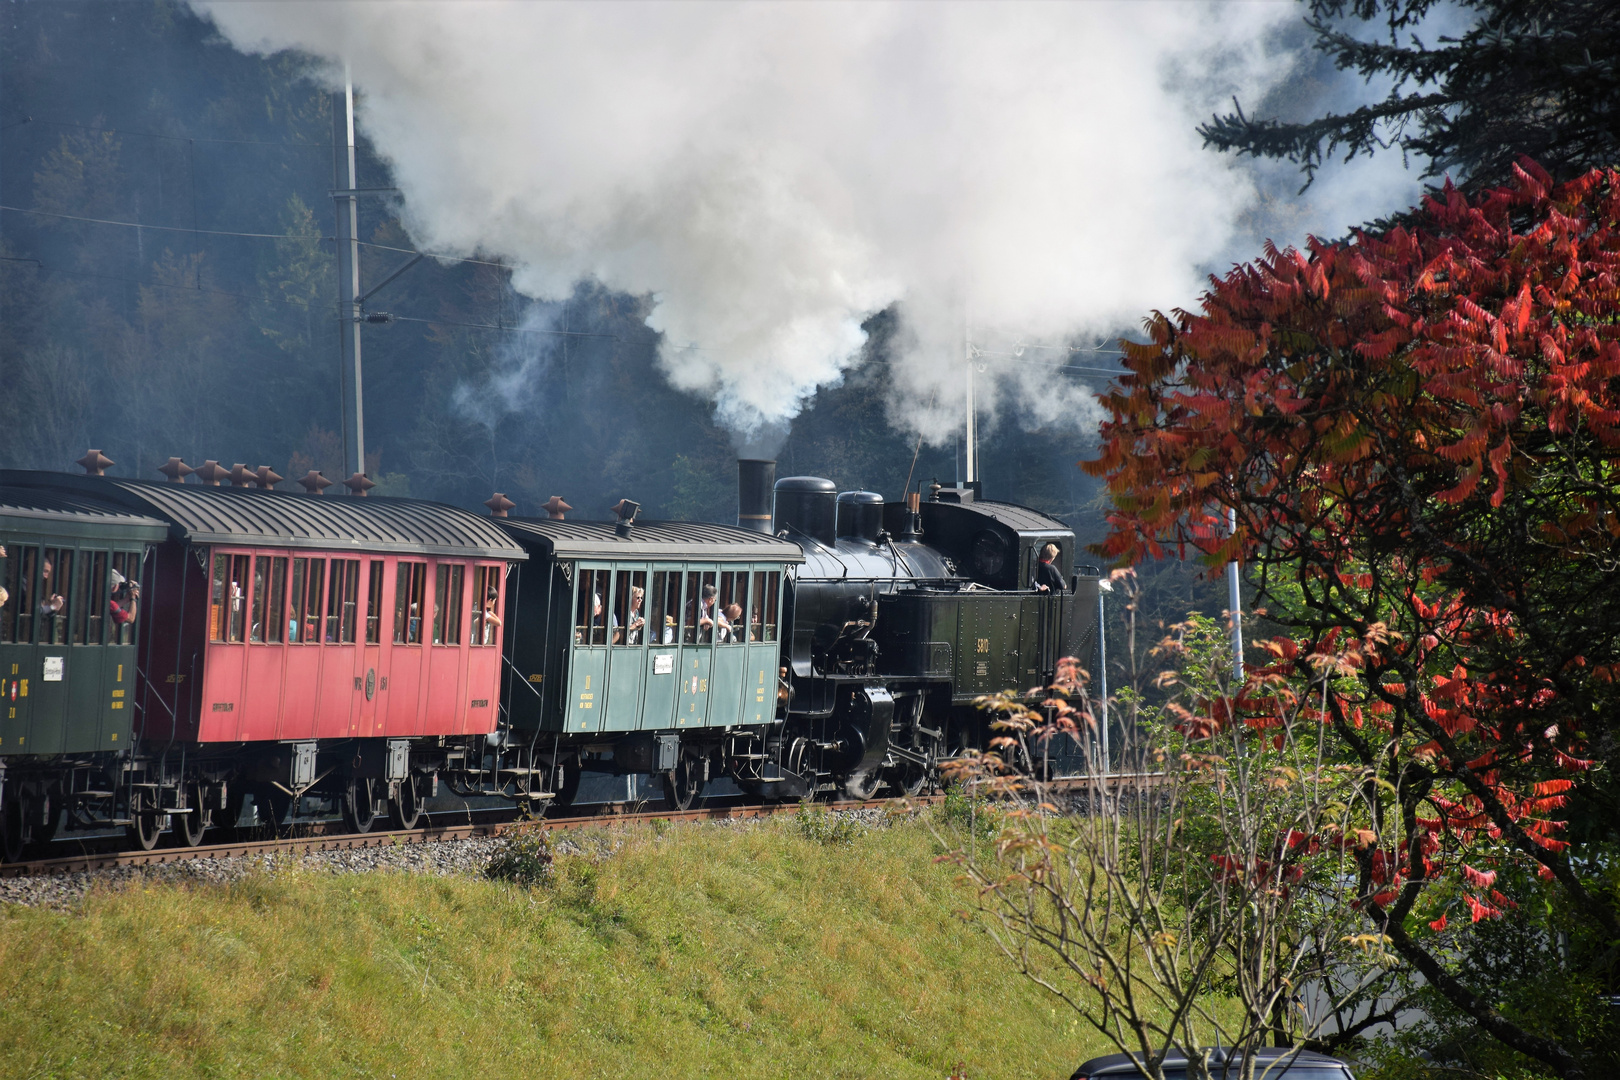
x: 1419, y: 432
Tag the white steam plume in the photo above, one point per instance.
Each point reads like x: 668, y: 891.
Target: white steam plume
x: 775, y: 173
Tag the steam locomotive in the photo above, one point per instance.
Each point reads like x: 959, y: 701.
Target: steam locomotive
x: 182, y: 658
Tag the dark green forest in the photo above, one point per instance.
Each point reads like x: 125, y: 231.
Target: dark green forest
x: 167, y: 288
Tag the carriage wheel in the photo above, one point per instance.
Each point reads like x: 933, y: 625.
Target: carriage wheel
x: 405, y: 809
x: 146, y: 826
x: 360, y: 805
x: 682, y: 783
x: 189, y: 828
x: 11, y: 831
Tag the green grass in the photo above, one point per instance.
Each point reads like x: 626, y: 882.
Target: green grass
x: 695, y: 951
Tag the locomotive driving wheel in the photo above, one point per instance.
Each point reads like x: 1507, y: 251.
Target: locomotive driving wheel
x: 861, y: 786
x: 683, y: 782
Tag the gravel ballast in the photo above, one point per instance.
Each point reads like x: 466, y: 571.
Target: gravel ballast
x: 469, y: 857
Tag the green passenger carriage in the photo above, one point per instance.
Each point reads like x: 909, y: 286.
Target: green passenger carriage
x: 622, y: 635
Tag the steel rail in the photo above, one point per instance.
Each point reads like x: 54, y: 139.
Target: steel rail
x: 317, y: 840
x: 302, y: 845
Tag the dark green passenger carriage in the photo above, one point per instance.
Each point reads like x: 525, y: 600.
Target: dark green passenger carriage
x: 67, y: 652
x: 625, y: 656
x: 67, y: 644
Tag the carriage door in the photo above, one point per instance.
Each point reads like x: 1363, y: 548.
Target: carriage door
x: 663, y: 652
x: 698, y: 623
x: 371, y: 673
x: 587, y: 673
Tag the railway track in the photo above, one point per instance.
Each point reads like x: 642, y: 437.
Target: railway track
x: 318, y: 840
x: 299, y: 845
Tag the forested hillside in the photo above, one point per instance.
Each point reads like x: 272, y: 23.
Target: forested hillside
x: 167, y: 288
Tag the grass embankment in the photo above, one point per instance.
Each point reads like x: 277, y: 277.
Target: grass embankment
x: 693, y: 951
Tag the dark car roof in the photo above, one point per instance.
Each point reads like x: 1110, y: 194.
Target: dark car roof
x: 696, y: 540
x: 1302, y: 1064
x: 53, y: 513
x: 203, y: 514
x: 1025, y: 519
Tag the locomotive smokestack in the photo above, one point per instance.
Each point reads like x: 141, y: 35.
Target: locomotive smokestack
x: 755, y: 479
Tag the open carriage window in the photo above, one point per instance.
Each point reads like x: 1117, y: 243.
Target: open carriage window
x: 55, y: 595
x: 447, y: 601
x: 124, y: 608
x: 762, y: 618
x: 629, y: 621
x: 17, y: 580
x: 590, y: 608
x: 342, y: 601
x: 664, y: 608
x: 486, y: 605
x: 374, y: 587
x: 730, y: 608
x: 92, y: 585
x: 410, y: 587
x: 227, y: 605
x: 269, y: 618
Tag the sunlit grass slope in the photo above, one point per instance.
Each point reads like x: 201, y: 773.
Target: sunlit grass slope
x: 694, y: 952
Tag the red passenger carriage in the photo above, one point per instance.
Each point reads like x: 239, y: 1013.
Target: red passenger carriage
x: 304, y: 645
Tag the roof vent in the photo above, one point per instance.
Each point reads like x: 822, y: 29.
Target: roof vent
x: 95, y: 463
x: 314, y: 482
x: 176, y: 470
x: 212, y: 472
x: 358, y: 485
x: 625, y: 510
x: 499, y: 504
x: 555, y: 508
x: 268, y: 477
x: 242, y: 476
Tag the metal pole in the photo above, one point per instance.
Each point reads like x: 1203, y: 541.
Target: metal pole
x: 1234, y: 604
x: 344, y: 182
x: 1103, y: 589
x: 971, y: 469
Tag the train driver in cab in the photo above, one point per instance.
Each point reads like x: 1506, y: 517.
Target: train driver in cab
x: 1047, y: 577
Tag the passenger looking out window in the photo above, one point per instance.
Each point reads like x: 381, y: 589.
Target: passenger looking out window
x: 227, y: 612
x: 410, y: 585
x: 486, y: 605
x: 127, y: 565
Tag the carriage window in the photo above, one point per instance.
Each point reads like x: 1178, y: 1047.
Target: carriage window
x: 314, y: 591
x: 486, y: 605
x: 342, y: 601
x: 756, y: 622
x: 269, y: 600
x: 55, y: 595
x: 664, y: 607
x: 261, y: 592
x: 227, y: 613
x: 11, y: 583
x: 447, y: 601
x: 590, y: 608
x: 295, y: 617
x: 699, y: 617
x: 88, y: 617
x: 730, y: 604
x: 773, y: 589
x: 124, y: 611
x: 629, y: 620
x: 374, y: 603
x: 410, y: 583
